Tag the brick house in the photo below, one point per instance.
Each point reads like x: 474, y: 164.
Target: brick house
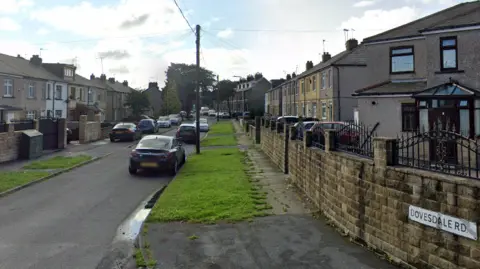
x: 425, y: 73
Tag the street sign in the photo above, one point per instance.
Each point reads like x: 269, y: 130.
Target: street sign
x: 443, y: 222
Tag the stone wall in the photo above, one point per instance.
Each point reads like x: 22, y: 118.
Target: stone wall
x: 89, y: 130
x: 369, y: 199
x: 9, y: 144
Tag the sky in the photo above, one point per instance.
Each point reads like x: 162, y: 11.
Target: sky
x: 136, y: 40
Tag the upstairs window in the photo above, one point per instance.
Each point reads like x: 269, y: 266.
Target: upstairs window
x: 448, y: 53
x: 402, y: 60
x: 31, y: 90
x: 58, y: 92
x: 68, y: 73
x: 314, y: 82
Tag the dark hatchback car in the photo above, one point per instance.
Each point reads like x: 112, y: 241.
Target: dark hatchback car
x: 125, y: 131
x: 187, y: 133
x: 147, y: 126
x: 157, y: 152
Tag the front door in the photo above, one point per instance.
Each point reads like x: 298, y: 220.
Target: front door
x: 443, y: 146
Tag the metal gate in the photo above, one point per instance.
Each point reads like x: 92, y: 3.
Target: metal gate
x: 49, y: 129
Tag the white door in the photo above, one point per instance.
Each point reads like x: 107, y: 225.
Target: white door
x: 10, y: 116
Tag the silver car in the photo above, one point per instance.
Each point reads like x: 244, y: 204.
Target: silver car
x: 164, y: 122
x: 175, y: 119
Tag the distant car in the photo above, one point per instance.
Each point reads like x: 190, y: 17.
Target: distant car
x: 157, y: 152
x: 125, y: 131
x: 175, y: 119
x: 224, y: 115
x: 288, y: 119
x: 349, y: 134
x: 147, y: 126
x: 187, y: 133
x: 204, y: 127
x: 212, y: 113
x: 307, y: 125
x: 164, y: 122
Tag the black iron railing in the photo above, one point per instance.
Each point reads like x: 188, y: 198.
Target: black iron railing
x: 355, y: 138
x: 441, y: 150
x: 318, y: 139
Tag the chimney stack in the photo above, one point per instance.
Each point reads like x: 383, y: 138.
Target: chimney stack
x: 92, y: 77
x: 153, y: 85
x: 111, y: 80
x: 103, y: 77
x: 326, y: 56
x: 125, y: 83
x: 351, y: 44
x: 36, y: 60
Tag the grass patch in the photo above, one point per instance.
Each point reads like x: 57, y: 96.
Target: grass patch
x: 213, y: 186
x: 222, y: 127
x: 224, y: 140
x: 10, y: 180
x: 139, y: 258
x: 58, y: 162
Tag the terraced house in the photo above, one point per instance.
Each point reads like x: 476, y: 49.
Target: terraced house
x: 325, y: 89
x: 425, y: 73
x: 116, y: 96
x: 29, y: 90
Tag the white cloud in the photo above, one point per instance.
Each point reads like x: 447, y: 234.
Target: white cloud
x: 14, y: 6
x: 43, y: 31
x: 227, y: 33
x: 364, y: 3
x: 8, y: 24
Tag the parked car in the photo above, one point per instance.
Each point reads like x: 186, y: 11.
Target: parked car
x: 307, y: 125
x: 157, y: 152
x: 164, y: 122
x: 187, y: 133
x: 349, y: 134
x: 212, y: 113
x: 288, y: 119
x: 175, y: 119
x: 147, y: 126
x: 224, y: 115
x: 125, y: 131
x: 204, y: 127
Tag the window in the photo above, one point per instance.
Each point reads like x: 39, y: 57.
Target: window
x: 330, y: 107
x: 91, y: 94
x: 402, y: 60
x: 31, y: 90
x: 68, y: 73
x: 330, y: 79
x: 30, y: 115
x: 81, y: 95
x: 448, y: 53
x: 324, y: 110
x: 314, y: 82
x: 99, y: 97
x: 44, y: 92
x: 58, y: 113
x: 58, y: 93
x: 314, y: 108
x: 73, y: 93
x: 49, y: 91
x: 8, y: 88
x: 409, y: 117
x: 464, y: 117
x: 323, y: 83
x: 477, y: 117
x: 302, y: 85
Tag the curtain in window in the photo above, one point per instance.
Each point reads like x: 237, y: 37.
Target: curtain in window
x: 464, y: 122
x: 423, y: 115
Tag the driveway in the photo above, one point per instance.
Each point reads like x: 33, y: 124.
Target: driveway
x: 70, y: 221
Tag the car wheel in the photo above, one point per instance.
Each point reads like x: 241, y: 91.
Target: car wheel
x: 132, y: 170
x: 112, y: 140
x: 174, y: 170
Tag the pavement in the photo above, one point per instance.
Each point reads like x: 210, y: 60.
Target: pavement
x: 290, y: 238
x: 72, y: 220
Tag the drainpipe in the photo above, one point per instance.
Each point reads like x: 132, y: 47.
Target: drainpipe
x: 338, y: 91
x: 53, y: 98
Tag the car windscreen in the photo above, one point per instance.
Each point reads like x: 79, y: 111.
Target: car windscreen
x: 203, y: 120
x: 163, y: 118
x: 145, y: 123
x: 156, y: 143
x: 173, y: 116
x: 187, y: 128
x: 123, y: 126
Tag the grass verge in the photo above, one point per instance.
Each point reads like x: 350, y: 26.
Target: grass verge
x: 213, y: 186
x: 224, y: 140
x: 12, y: 179
x: 222, y: 127
x: 58, y: 162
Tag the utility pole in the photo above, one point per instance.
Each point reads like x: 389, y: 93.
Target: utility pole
x: 197, y: 94
x: 218, y: 101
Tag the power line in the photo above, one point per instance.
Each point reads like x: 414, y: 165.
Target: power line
x: 183, y: 15
x: 289, y: 30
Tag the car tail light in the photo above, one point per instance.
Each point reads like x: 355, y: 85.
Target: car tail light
x: 134, y: 153
x: 130, y: 131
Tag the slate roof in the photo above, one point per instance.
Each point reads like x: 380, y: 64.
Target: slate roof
x: 392, y: 87
x: 83, y: 81
x: 447, y: 18
x: 22, y: 67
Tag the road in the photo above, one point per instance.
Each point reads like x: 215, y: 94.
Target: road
x: 70, y: 221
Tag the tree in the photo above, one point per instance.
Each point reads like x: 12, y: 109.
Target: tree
x: 294, y: 75
x: 226, y: 90
x: 170, y: 101
x: 184, y: 76
x: 289, y: 77
x: 138, y: 102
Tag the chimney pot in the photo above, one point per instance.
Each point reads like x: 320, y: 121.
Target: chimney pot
x: 153, y: 85
x: 111, y: 80
x: 92, y: 77
x: 103, y: 77
x: 351, y: 44
x: 36, y: 60
x: 125, y: 83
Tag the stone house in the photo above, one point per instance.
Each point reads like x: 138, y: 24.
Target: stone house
x: 155, y: 98
x: 325, y: 89
x: 116, y: 96
x: 27, y: 89
x: 274, y: 98
x: 425, y: 73
x: 250, y: 95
